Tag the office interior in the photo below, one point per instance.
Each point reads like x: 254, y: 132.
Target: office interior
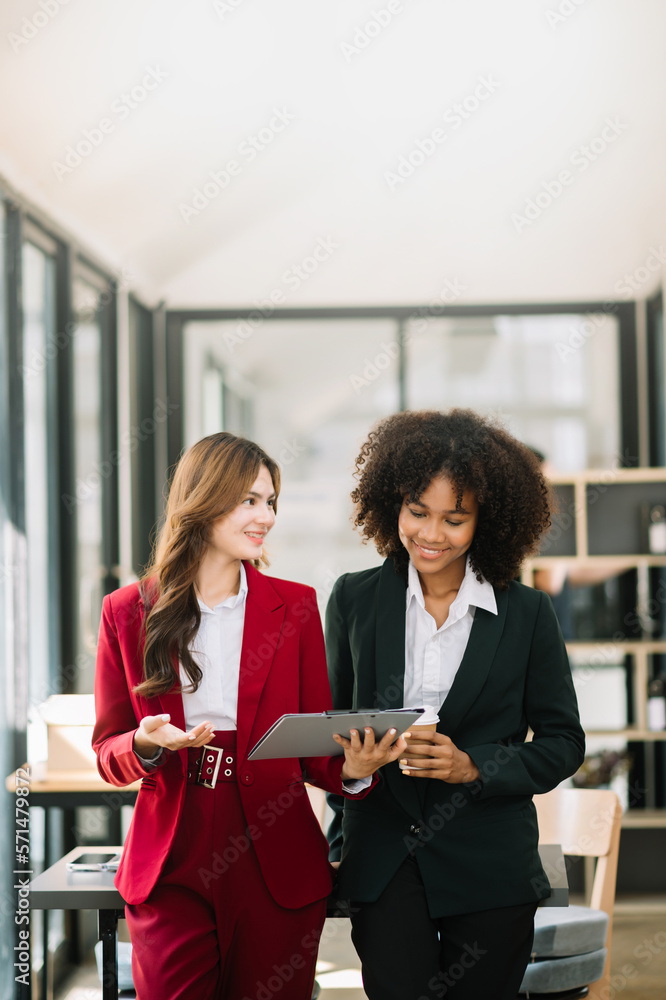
x: 289, y: 222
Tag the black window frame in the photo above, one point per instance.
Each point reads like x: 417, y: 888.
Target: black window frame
x: 624, y: 312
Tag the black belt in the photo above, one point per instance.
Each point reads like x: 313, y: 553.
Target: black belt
x: 207, y: 765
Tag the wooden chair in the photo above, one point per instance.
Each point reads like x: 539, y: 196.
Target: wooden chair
x: 586, y: 823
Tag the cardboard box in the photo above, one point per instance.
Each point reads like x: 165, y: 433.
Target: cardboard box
x: 69, y: 719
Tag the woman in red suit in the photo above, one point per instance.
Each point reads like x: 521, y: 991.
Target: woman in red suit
x: 224, y: 871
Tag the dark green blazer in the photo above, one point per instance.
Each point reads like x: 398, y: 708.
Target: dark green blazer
x: 476, y: 844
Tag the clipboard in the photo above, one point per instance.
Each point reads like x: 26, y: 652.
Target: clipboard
x: 311, y: 733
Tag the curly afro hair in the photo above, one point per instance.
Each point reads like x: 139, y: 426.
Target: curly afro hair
x: 406, y: 451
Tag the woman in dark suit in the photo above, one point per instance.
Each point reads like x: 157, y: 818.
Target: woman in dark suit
x: 224, y: 871
x: 440, y: 864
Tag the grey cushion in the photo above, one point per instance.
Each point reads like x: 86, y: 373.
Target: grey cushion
x: 124, y: 964
x: 550, y: 975
x: 568, y: 930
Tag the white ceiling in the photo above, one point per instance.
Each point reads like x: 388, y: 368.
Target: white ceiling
x: 229, y: 65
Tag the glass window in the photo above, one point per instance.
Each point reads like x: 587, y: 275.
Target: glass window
x: 307, y: 391
x: 41, y: 511
x: 88, y: 475
x: 6, y: 558
x: 145, y: 434
x: 551, y: 379
x: 7, y: 751
x: 41, y: 505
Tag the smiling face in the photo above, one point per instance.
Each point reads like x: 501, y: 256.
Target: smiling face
x: 241, y: 534
x: 436, y: 530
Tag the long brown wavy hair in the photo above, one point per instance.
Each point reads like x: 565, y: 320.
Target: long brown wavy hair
x: 211, y: 479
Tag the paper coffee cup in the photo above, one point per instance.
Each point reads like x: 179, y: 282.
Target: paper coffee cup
x: 429, y: 727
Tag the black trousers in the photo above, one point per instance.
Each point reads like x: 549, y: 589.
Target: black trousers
x: 407, y: 955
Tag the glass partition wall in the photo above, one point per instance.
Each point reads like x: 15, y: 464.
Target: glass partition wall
x: 11, y: 734
x: 87, y: 410
x: 552, y: 380
x: 39, y: 369
x: 309, y: 390
x: 58, y: 517
x: 93, y: 502
x: 40, y: 461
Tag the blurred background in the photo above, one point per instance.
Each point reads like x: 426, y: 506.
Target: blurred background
x: 288, y: 221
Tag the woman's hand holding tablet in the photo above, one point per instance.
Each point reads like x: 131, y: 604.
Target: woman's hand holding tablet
x: 364, y: 757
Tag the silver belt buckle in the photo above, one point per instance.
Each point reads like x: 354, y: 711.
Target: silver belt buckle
x: 209, y: 766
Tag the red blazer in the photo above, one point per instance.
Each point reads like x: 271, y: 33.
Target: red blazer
x: 282, y: 669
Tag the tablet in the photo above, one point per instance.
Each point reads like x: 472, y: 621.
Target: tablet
x: 311, y: 734
x: 91, y: 862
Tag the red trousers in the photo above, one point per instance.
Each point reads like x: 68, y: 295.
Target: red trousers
x: 210, y: 930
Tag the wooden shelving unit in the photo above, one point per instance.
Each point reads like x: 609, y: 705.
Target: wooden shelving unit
x: 642, y: 819
x: 599, y: 523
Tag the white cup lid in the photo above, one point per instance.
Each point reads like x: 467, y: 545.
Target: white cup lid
x: 428, y: 717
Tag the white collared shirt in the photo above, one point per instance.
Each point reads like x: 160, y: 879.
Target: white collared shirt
x: 216, y: 648
x: 433, y: 655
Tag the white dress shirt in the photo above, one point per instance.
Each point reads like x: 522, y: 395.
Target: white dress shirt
x: 433, y: 655
x: 217, y: 649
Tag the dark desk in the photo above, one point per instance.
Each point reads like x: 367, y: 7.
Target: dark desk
x: 70, y: 790
x: 59, y: 889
